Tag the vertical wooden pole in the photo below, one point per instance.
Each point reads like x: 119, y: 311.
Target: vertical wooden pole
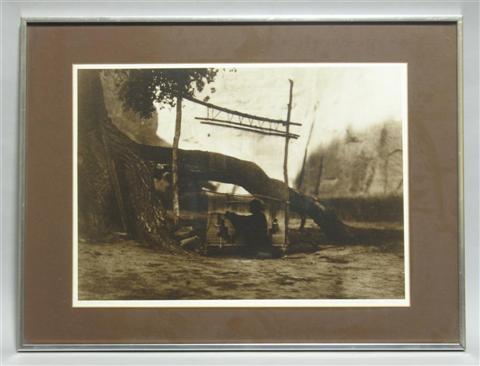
x: 285, y: 163
x: 176, y: 140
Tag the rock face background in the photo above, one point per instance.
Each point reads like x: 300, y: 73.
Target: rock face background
x: 366, y: 163
x: 142, y: 131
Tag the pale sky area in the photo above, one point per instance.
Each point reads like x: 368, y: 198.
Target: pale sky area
x: 333, y: 97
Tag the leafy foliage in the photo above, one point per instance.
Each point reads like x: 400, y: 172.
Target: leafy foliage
x: 139, y: 89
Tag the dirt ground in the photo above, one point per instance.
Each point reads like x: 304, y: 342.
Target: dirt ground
x: 126, y: 270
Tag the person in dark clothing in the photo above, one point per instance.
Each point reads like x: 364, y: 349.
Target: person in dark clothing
x: 252, y: 230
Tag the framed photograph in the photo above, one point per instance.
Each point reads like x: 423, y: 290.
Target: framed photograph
x: 242, y: 185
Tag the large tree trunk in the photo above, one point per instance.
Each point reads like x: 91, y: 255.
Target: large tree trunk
x: 145, y: 215
x: 97, y: 211
x: 114, y: 182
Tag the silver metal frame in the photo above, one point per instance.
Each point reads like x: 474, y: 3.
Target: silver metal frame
x: 458, y: 19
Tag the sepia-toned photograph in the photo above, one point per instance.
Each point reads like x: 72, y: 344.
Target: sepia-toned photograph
x: 240, y: 185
